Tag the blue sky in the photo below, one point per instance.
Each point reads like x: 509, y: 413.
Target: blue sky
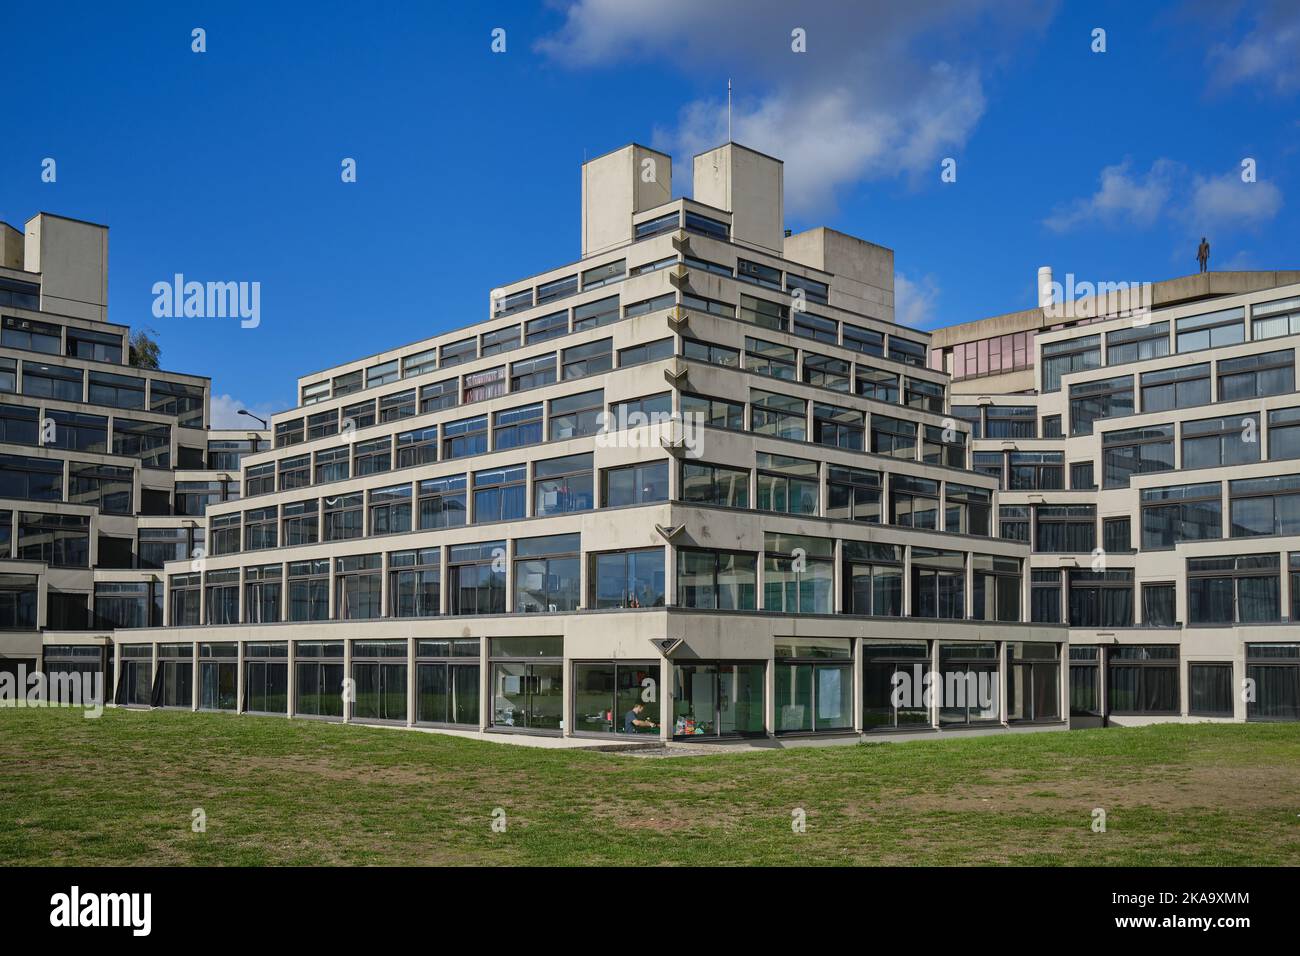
x: 225, y: 165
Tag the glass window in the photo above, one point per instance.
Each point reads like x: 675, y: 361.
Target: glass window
x: 575, y: 416
x: 309, y: 598
x: 444, y: 394
x: 1143, y: 679
x: 502, y: 340
x: 447, y: 691
x: 783, y: 416
x: 887, y: 668
x: 517, y: 427
x: 116, y: 391
x: 1067, y: 356
x: 532, y: 373
x: 597, y: 276
x: 995, y: 595
x: 372, y: 457
x: 1065, y: 529
x: 442, y: 502
x: 414, y: 579
x: 176, y: 398
x: 893, y: 437
x: 1137, y: 344
x: 914, y: 502
x: 721, y: 699
x: 591, y: 315
x: 1209, y: 690
x: 263, y: 593
x: 1011, y: 421
x: 1033, y: 682
x: 715, y: 485
x: 1107, y: 398
x: 343, y: 517
x: 1275, y: 669
x: 465, y: 438
x: 318, y: 678
x: 31, y: 335
x: 546, y: 327
x: 358, y: 588
x: 770, y: 359
x: 938, y: 583
x: 1212, y: 442
x: 52, y: 381
x: 390, y: 510
x: 1264, y: 506
x: 635, y: 484
x: 853, y: 494
x: 548, y: 574
x: 1137, y: 451
x: 1172, y: 388
x: 477, y: 578
x: 417, y: 447
x: 562, y: 485
x: 500, y: 494
x: 591, y: 358
x: 1255, y: 376
x: 616, y: 698
x: 968, y: 676
x: 1213, y: 330
x: 629, y: 579
x: 787, y: 485
x: 379, y: 671
x: 717, y: 412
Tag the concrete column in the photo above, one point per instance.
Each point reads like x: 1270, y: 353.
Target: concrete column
x: 935, y: 696
x: 196, y: 671
x: 485, y: 685
x: 117, y: 671
x: 347, y: 676
x: 510, y: 576
x: 665, y: 691
x: 239, y: 679
x: 291, y: 676
x: 907, y: 580
x: 1284, y: 593
x: 566, y: 701
x: 859, y: 656
x: 837, y: 576
x: 153, y: 671
x: 1003, y: 672
x: 769, y: 695
x: 410, y: 681
x: 333, y: 611
x: 969, y: 587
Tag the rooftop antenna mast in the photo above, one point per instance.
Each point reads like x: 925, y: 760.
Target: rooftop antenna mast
x: 728, y: 109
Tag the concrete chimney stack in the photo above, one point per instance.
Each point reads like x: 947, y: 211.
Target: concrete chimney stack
x: 1044, y: 287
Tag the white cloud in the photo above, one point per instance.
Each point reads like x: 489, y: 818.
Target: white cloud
x: 225, y: 413
x: 915, y: 303
x: 883, y: 91
x: 1267, y: 53
x: 1169, y: 191
x: 1121, y: 198
x: 1225, y: 201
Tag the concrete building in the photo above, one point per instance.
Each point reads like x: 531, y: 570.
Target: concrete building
x: 701, y: 469
x: 1145, y: 441
x: 105, y: 468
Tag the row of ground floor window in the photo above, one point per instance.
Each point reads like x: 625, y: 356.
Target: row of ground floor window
x: 522, y: 683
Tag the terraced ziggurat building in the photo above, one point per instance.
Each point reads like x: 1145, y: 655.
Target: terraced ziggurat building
x: 703, y: 471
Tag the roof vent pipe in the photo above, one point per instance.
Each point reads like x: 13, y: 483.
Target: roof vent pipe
x: 1044, y: 287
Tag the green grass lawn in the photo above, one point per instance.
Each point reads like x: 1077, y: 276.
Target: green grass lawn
x: 121, y: 790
